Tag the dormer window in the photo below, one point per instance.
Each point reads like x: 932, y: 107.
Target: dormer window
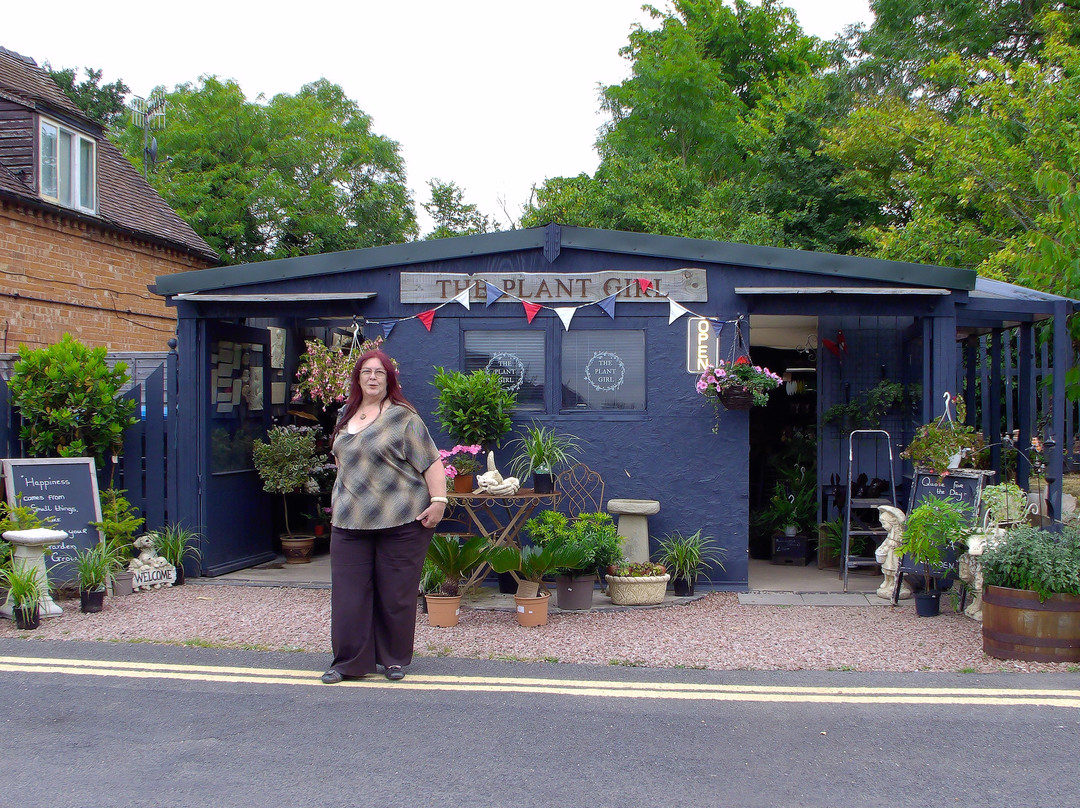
x: 68, y: 167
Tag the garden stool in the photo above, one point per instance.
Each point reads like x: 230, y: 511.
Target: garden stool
x: 28, y: 549
x: 633, y: 525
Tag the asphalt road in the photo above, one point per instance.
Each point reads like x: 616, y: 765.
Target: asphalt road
x: 104, y: 724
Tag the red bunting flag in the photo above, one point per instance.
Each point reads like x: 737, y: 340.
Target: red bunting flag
x: 427, y: 318
x: 531, y: 309
x: 645, y: 284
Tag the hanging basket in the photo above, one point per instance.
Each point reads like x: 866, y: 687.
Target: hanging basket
x: 736, y: 399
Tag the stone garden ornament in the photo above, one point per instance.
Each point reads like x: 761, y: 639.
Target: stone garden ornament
x: 492, y: 482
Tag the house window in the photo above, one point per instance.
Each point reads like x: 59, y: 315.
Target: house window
x: 603, y: 370
x: 517, y: 357
x: 68, y: 167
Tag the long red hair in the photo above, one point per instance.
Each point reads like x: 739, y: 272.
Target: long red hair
x: 356, y: 392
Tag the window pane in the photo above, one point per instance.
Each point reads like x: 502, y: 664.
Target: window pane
x: 603, y: 370
x: 86, y: 174
x: 517, y: 356
x: 64, y: 167
x: 48, y: 160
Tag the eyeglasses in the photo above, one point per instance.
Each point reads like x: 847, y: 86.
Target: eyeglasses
x: 370, y: 373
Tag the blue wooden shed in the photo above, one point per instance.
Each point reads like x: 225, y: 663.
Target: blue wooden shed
x: 607, y: 331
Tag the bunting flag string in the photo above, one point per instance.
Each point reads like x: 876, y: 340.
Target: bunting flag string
x: 565, y: 314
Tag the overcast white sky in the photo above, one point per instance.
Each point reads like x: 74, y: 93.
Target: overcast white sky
x: 494, y: 95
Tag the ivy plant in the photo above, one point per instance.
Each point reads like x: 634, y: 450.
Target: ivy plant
x: 69, y: 401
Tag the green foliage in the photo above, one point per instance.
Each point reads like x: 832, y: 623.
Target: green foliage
x: 120, y: 521
x: 95, y: 565
x: 594, y: 534
x: 685, y: 556
x: 793, y: 502
x: 296, y: 175
x: 431, y: 578
x: 473, y: 408
x: 936, y: 442
x: 868, y: 408
x: 932, y: 527
x: 542, y: 449
x: 103, y: 103
x: 22, y: 517
x: 24, y: 586
x: 69, y: 401
x: 1005, y: 502
x: 175, y: 543
x: 456, y: 560
x: 286, y: 461
x: 546, y: 527
x: 1038, y: 560
x: 452, y: 215
x: 533, y: 562
x: 639, y: 569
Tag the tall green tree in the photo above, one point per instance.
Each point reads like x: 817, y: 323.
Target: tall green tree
x: 297, y: 175
x: 103, y: 103
x: 453, y: 216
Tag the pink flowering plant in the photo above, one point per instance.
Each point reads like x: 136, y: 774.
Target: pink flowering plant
x: 740, y: 374
x: 322, y: 374
x: 461, y: 460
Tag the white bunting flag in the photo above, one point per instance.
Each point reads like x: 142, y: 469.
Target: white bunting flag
x: 675, y: 311
x: 566, y: 314
x: 463, y: 299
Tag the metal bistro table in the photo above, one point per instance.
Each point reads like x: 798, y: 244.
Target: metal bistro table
x: 483, y: 511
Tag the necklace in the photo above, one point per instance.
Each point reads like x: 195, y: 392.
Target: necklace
x: 363, y: 415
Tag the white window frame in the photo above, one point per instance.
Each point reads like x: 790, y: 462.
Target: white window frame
x: 69, y: 167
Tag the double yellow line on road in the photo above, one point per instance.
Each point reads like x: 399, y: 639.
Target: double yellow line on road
x: 1045, y: 697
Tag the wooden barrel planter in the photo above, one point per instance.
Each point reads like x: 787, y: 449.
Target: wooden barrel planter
x: 1016, y: 625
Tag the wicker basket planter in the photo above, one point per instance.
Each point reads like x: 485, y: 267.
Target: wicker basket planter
x: 640, y: 591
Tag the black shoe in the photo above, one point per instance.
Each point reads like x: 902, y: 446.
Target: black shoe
x: 332, y: 677
x: 394, y: 672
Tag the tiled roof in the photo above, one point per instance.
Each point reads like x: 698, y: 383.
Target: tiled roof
x: 126, y: 201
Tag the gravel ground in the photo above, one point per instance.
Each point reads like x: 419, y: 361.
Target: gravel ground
x: 715, y: 632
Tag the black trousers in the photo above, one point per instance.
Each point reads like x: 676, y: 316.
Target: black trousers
x: 374, y: 578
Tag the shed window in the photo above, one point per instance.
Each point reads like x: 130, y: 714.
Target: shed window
x: 517, y: 356
x: 67, y: 167
x: 603, y: 370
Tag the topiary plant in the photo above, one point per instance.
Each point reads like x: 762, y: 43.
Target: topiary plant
x: 287, y: 460
x: 69, y: 401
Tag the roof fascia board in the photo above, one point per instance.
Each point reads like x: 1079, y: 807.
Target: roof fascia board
x: 413, y: 252
x: 721, y: 252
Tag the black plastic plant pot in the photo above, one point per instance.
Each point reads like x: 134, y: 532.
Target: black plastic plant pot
x: 928, y: 604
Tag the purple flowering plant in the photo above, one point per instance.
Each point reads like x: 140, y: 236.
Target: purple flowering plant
x: 322, y: 373
x: 738, y: 375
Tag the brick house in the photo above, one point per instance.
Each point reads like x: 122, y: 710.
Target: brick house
x: 82, y: 234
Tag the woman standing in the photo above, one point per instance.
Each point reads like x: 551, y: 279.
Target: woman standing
x: 389, y: 496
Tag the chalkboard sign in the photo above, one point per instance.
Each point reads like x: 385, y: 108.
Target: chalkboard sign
x: 963, y: 485
x: 65, y: 488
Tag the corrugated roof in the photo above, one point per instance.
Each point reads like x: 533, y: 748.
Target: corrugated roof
x: 126, y: 201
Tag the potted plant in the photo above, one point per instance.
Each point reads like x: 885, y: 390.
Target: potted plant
x: 25, y: 590
x: 737, y: 385
x: 461, y: 464
x: 94, y: 567
x: 1004, y: 504
x: 286, y: 461
x: 175, y: 543
x: 120, y: 521
x: 932, y: 535
x: 529, y: 565
x: 685, y: 557
x: 323, y: 374
x: 456, y: 561
x: 541, y: 450
x: 431, y: 581
x: 473, y: 408
x: 867, y: 409
x: 642, y: 583
x: 941, y: 444
x: 597, y: 537
x: 1031, y: 595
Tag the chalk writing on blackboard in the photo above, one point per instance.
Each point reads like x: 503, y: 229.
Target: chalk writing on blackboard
x: 962, y: 485
x: 64, y: 488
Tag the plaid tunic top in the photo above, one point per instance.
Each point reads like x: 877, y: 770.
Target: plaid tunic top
x: 380, y: 472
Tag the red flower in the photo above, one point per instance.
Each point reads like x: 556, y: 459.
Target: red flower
x: 743, y: 360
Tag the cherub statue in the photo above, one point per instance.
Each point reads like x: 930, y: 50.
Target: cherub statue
x: 892, y: 519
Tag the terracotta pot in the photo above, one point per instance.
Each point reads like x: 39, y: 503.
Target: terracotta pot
x: 443, y: 611
x: 463, y: 483
x: 532, y: 611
